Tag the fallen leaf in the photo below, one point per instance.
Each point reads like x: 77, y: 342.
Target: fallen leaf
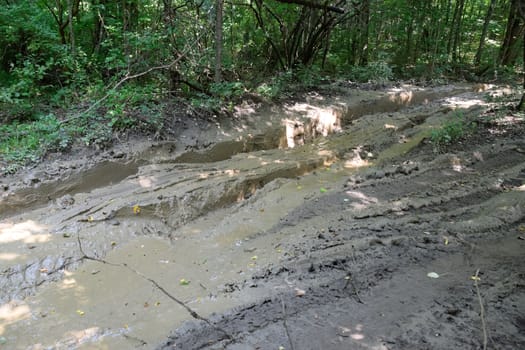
x: 322, y: 190
x: 281, y: 348
x: 66, y: 235
x: 446, y: 240
x: 43, y: 270
x: 136, y: 209
x: 157, y: 303
x: 113, y: 243
x: 254, y: 257
x: 299, y: 187
x: 184, y: 282
x: 90, y: 218
x: 80, y: 312
x: 475, y: 278
x: 299, y: 292
x: 432, y: 275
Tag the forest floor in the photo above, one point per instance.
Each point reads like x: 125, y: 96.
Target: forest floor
x: 329, y: 222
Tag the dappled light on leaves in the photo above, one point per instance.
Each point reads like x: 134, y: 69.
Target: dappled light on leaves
x: 28, y: 232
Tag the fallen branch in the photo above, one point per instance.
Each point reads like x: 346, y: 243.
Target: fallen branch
x: 482, y: 310
x: 285, y: 325
x: 157, y: 285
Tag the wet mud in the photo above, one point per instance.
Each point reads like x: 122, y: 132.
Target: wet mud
x: 312, y: 225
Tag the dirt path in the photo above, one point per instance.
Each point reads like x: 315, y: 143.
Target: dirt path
x: 313, y: 226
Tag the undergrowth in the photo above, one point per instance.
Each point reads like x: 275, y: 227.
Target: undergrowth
x: 451, y: 132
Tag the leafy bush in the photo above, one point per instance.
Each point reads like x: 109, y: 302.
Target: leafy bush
x: 21, y: 143
x: 451, y: 132
x: 378, y: 72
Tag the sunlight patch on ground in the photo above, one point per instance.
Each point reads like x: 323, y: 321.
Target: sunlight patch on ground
x: 27, y: 231
x: 12, y: 312
x: 458, y: 102
x: 8, y: 256
x: 364, y: 200
x: 402, y: 97
x: 147, y: 181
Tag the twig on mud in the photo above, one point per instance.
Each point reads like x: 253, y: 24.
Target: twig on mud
x: 350, y: 280
x: 482, y: 310
x: 285, y: 325
x: 158, y: 286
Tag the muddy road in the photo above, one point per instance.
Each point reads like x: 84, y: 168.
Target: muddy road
x: 329, y: 223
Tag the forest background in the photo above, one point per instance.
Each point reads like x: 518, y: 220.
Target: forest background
x: 85, y: 70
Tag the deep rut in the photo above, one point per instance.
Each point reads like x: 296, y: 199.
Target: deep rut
x: 204, y: 225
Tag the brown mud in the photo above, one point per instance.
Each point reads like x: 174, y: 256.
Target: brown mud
x: 312, y: 225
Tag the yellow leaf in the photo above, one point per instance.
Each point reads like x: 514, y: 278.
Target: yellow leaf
x: 475, y: 278
x: 446, y: 240
x: 254, y: 257
x: 80, y: 312
x: 184, y: 282
x: 299, y: 187
x: 136, y: 209
x: 90, y: 218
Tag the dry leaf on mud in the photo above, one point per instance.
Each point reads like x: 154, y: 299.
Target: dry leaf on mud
x: 184, y: 282
x: 299, y: 292
x: 432, y: 275
x: 136, y: 209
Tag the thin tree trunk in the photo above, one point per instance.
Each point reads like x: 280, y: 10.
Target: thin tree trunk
x: 218, y: 41
x: 488, y: 17
x: 70, y: 26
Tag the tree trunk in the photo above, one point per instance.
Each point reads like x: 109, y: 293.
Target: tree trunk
x: 218, y: 41
x: 70, y: 25
x: 508, y: 53
x: 488, y: 17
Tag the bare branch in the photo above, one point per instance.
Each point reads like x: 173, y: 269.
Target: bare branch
x: 313, y: 5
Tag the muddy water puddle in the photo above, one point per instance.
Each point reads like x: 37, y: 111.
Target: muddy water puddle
x: 105, y: 306
x: 183, y: 225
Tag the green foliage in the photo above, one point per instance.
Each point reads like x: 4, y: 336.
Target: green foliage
x: 379, y: 72
x: 451, y: 132
x: 21, y: 143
